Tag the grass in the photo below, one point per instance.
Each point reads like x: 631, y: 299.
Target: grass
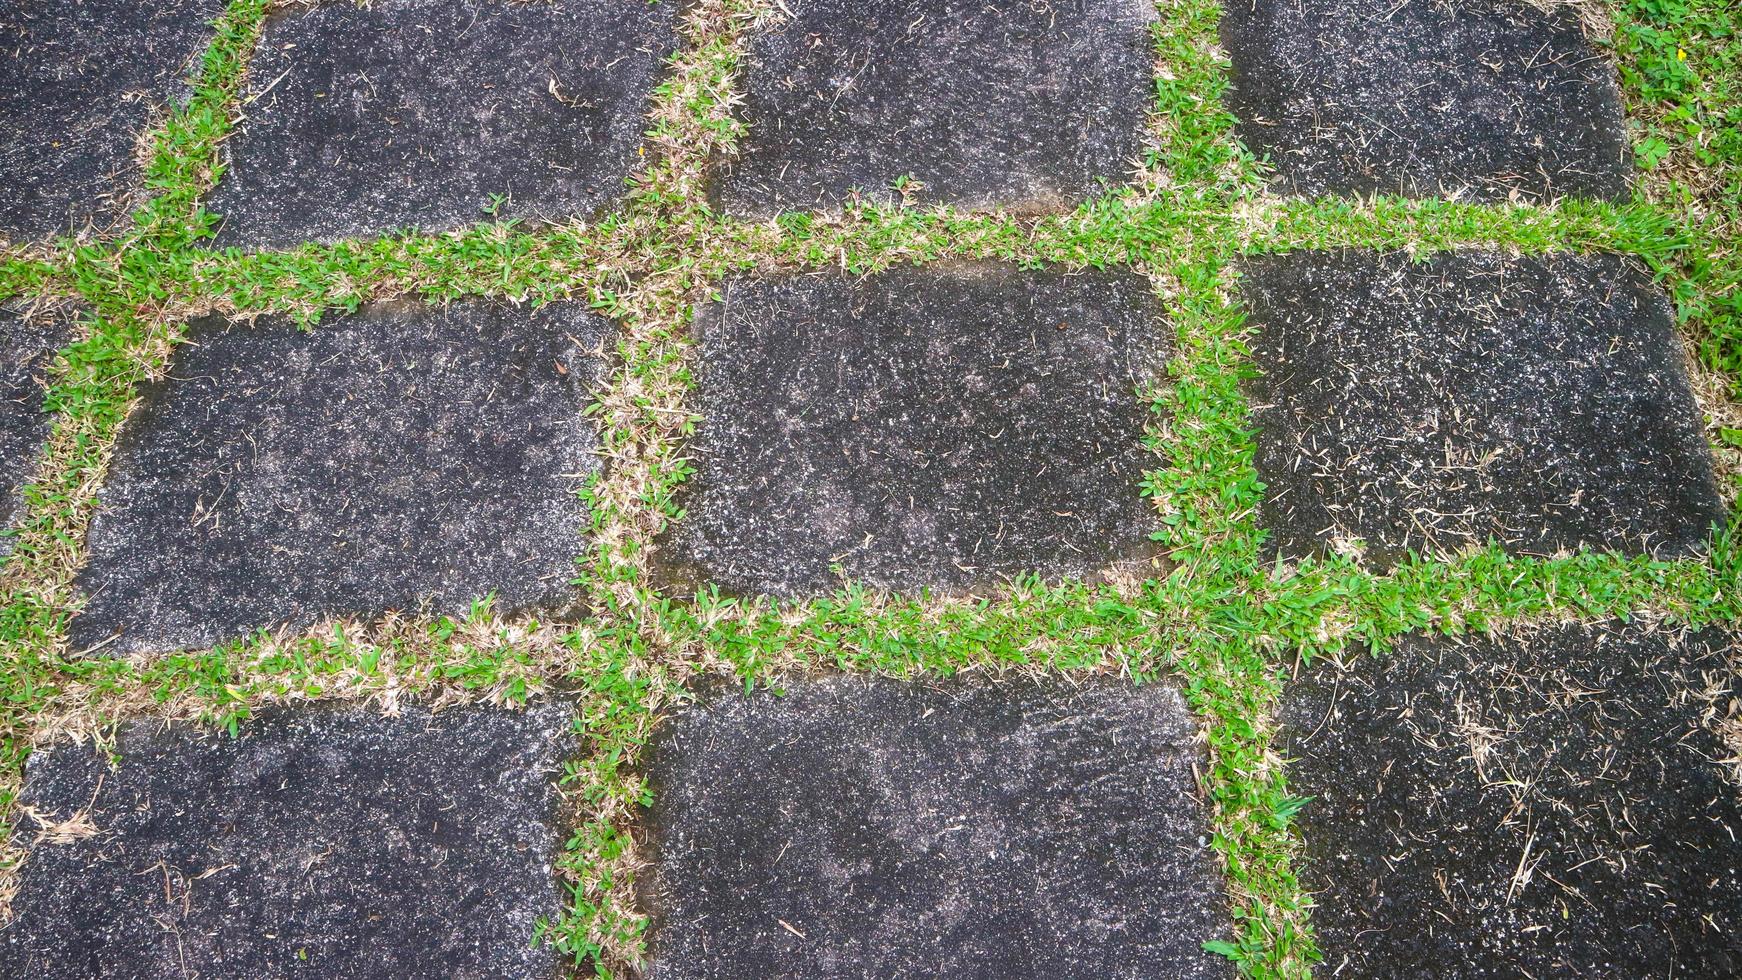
x: 1681, y: 70
x: 1223, y: 623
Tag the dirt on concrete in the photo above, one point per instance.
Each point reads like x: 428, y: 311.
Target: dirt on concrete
x: 330, y: 842
x: 1019, y: 105
x: 922, y: 428
x: 1479, y: 100
x: 859, y: 827
x: 1541, y: 402
x: 1550, y: 802
x: 403, y: 455
x: 437, y: 114
x: 80, y: 80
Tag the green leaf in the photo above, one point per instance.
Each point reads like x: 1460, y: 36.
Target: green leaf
x: 1650, y: 152
x: 1291, y: 806
x: 1222, y: 947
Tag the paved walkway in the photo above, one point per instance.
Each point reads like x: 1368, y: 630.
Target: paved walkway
x: 535, y: 434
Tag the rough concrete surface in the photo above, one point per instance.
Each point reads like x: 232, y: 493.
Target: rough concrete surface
x: 874, y: 828
x: 1476, y: 99
x: 1561, y: 803
x: 413, y: 113
x: 321, y: 842
x: 1542, y: 402
x: 407, y: 453
x: 1021, y: 105
x: 934, y: 427
x: 29, y: 340
x: 79, y: 82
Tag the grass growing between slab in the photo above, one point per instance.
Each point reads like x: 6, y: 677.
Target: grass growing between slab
x: 1219, y: 620
x: 1208, y: 498
x: 24, y: 275
x: 1681, y: 75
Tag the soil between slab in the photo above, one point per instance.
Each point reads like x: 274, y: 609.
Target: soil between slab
x: 934, y: 428
x: 403, y: 454
x: 1556, y: 803
x: 1542, y: 402
x: 29, y: 342
x: 1476, y: 99
x: 1021, y: 105
x: 874, y: 828
x: 413, y: 113
x: 79, y: 80
x: 336, y: 843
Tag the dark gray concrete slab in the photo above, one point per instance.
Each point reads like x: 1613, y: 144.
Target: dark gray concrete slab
x: 79, y: 81
x: 872, y: 828
x: 1539, y: 402
x: 923, y: 428
x: 1548, y: 804
x: 1478, y: 99
x: 29, y: 340
x: 1021, y: 105
x: 413, y: 113
x: 321, y: 842
x: 404, y: 454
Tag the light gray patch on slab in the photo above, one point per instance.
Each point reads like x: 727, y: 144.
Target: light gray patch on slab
x: 413, y: 113
x: 1541, y: 402
x: 326, y: 842
x: 1476, y: 99
x: 29, y: 341
x: 922, y: 428
x: 860, y: 827
x: 402, y: 455
x: 79, y: 81
x: 1547, y: 803
x: 1019, y: 105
